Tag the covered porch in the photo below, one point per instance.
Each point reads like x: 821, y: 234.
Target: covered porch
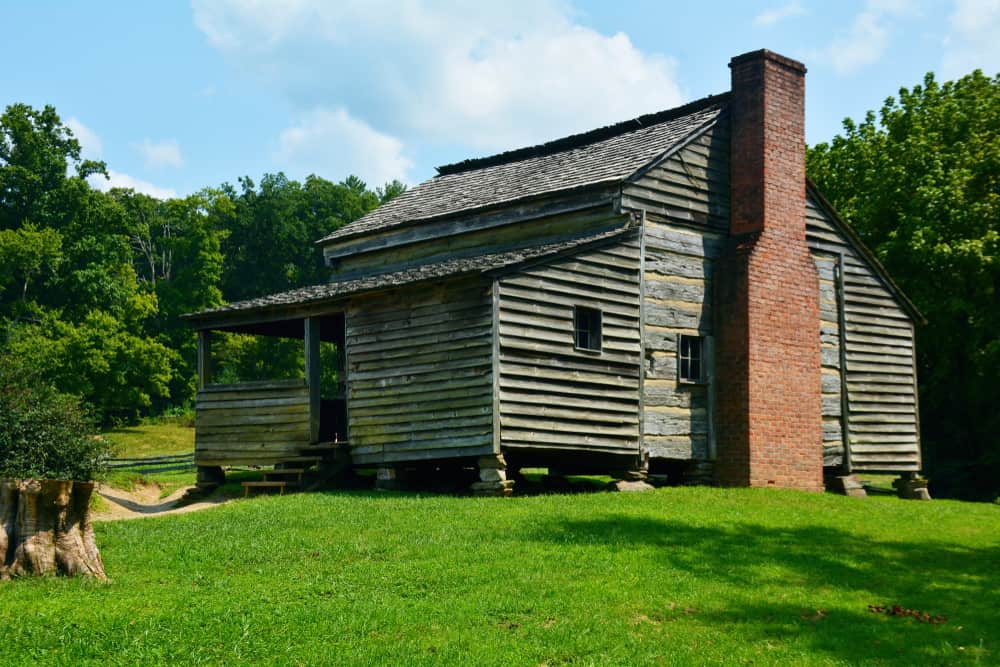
x: 272, y: 421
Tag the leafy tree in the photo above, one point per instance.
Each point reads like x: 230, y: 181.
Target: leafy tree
x: 44, y: 434
x: 36, y: 150
x: 920, y: 182
x: 26, y: 254
x: 274, y: 226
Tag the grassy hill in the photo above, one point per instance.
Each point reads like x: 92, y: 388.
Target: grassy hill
x: 675, y: 576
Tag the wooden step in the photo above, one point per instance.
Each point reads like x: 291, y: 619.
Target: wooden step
x: 267, y: 484
x: 306, y: 460
x: 321, y: 448
x: 278, y: 472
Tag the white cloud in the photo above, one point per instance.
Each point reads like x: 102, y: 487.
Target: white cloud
x: 868, y: 37
x: 771, y: 16
x: 116, y: 179
x: 488, y: 75
x: 974, y: 39
x: 91, y: 147
x: 331, y: 142
x: 161, y: 154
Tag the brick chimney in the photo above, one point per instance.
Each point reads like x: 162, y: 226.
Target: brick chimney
x: 769, y: 406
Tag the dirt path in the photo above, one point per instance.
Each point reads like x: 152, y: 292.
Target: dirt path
x: 145, y: 501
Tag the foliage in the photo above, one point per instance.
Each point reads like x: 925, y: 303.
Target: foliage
x: 93, y: 284
x: 685, y: 576
x: 920, y: 183
x: 44, y: 434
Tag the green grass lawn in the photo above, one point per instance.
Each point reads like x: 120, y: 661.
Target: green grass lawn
x: 162, y: 437
x: 152, y: 439
x: 676, y: 576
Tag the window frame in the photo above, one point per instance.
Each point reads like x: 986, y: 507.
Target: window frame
x: 594, y: 315
x: 701, y: 358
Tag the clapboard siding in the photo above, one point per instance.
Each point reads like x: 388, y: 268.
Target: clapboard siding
x: 878, y: 374
x: 421, y: 245
x: 420, y: 373
x: 552, y: 396
x: 692, y: 186
x: 686, y: 199
x: 251, y: 423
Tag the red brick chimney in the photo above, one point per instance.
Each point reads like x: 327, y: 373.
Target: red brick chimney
x: 769, y: 407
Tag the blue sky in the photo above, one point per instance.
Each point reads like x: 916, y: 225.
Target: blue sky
x: 176, y: 96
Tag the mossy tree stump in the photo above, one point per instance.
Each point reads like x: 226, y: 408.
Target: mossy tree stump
x: 45, y: 528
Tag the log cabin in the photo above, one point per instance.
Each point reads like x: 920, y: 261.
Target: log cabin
x: 669, y: 291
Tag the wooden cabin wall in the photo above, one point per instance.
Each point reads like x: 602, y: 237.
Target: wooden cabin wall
x: 678, y: 286
x: 881, y: 398
x: 553, y: 397
x: 830, y: 378
x: 419, y: 363
x: 686, y: 200
x: 422, y: 246
x: 251, y: 423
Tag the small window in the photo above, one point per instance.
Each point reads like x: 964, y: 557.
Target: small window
x: 587, y: 328
x: 691, y: 359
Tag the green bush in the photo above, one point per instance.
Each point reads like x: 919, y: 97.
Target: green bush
x: 45, y: 434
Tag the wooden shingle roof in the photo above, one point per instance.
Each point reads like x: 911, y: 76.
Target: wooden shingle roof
x: 333, y: 291
x: 600, y: 157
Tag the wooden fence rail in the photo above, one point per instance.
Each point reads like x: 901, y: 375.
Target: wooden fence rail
x: 153, y: 464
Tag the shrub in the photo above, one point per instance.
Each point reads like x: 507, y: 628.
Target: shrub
x: 45, y: 434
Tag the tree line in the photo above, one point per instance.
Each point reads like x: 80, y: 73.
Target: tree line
x: 92, y: 283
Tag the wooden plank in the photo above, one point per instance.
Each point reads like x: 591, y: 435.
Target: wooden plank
x: 373, y: 394
x: 204, y: 359
x: 420, y: 439
x: 679, y: 447
x: 252, y: 404
x: 671, y: 315
x: 450, y: 399
x: 255, y: 386
x: 509, y: 367
x: 544, y: 439
x: 665, y: 423
x: 537, y: 411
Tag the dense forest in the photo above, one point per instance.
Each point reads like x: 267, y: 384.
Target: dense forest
x: 92, y: 283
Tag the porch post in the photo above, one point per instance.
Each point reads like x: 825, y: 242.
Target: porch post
x: 204, y: 358
x: 312, y: 334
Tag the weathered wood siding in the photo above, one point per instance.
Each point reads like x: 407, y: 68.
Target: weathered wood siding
x: 424, y: 244
x: 879, y: 373
x: 833, y: 439
x: 419, y: 365
x: 251, y: 423
x: 686, y: 199
x: 677, y: 300
x: 691, y: 186
x: 551, y: 395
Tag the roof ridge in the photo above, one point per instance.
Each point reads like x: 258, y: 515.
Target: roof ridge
x: 583, y: 138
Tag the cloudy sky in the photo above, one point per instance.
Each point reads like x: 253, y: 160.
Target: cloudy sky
x: 177, y: 96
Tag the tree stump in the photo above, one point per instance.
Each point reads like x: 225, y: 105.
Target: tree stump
x: 45, y: 528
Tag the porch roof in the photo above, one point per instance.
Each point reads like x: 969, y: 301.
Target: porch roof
x: 294, y: 302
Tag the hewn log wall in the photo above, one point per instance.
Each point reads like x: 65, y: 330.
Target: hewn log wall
x: 251, y: 423
x: 420, y: 373
x: 879, y: 371
x: 833, y: 442
x: 555, y: 397
x: 686, y: 199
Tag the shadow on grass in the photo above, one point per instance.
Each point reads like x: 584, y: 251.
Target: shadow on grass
x: 961, y: 583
